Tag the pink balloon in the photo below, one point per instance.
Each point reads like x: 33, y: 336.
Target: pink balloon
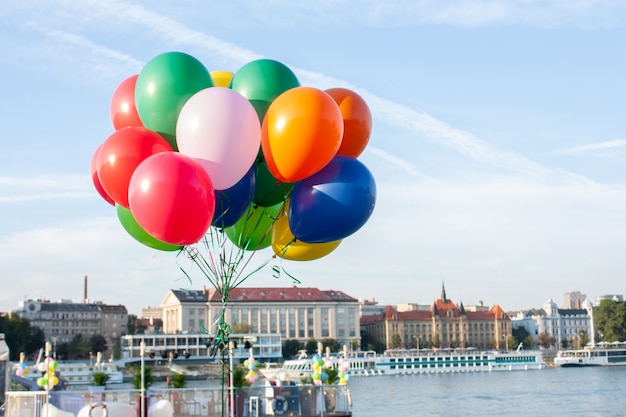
x: 220, y: 129
x: 95, y: 179
x: 172, y: 198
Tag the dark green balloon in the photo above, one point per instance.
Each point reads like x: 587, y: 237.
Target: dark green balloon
x: 253, y: 231
x: 132, y: 227
x: 261, y: 81
x: 269, y: 191
x: 163, y: 86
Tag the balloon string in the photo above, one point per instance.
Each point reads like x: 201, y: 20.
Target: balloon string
x: 280, y: 269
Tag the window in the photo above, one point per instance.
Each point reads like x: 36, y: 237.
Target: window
x: 325, y: 325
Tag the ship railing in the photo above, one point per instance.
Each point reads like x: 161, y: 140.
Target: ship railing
x: 255, y: 401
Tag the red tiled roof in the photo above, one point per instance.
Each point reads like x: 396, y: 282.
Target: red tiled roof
x: 447, y: 305
x: 269, y: 294
x: 371, y: 319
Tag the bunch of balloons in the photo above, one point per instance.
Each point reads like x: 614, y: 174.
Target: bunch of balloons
x: 251, y: 363
x: 251, y: 153
x: 22, y: 369
x: 319, y: 364
x: 48, y: 379
x: 343, y: 367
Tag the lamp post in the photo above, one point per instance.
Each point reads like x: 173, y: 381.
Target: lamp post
x: 49, y: 369
x: 142, y: 352
x: 169, y: 377
x: 231, y: 347
x: 54, y: 347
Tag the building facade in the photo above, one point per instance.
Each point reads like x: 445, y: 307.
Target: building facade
x: 293, y: 312
x: 563, y: 324
x: 443, y: 325
x: 61, y: 321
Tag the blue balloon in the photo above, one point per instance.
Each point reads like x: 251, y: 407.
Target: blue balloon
x: 232, y: 203
x: 333, y: 203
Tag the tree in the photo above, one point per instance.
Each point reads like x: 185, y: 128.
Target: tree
x: 545, y: 340
x: 290, y: 348
x: 610, y: 320
x: 311, y: 346
x: 131, y: 326
x: 98, y: 343
x: 583, y: 338
x: 396, y: 341
x: 369, y: 342
x: 134, y: 325
x: 79, y: 347
x: 332, y: 344
x: 21, y: 336
x: 528, y: 341
x: 436, y: 341
x: 512, y: 342
x: 520, y: 333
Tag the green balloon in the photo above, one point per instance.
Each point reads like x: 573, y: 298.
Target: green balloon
x: 269, y: 191
x: 132, y: 227
x: 261, y: 81
x: 163, y: 86
x: 253, y: 231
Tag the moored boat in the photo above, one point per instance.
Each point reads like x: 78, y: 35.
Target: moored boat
x: 75, y: 373
x: 602, y: 354
x: 413, y: 361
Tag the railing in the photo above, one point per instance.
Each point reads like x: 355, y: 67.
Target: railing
x: 257, y: 401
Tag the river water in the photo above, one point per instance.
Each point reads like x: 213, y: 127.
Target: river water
x: 555, y: 392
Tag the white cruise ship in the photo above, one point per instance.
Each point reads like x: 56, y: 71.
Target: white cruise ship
x: 602, y: 354
x: 424, y: 361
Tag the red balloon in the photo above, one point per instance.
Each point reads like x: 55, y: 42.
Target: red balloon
x: 96, y: 180
x: 121, y: 153
x: 172, y: 198
x: 122, y: 109
x: 357, y: 121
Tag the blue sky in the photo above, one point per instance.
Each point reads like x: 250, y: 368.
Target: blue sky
x: 498, y: 142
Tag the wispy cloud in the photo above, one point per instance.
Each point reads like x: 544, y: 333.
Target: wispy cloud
x: 50, y: 187
x: 424, y: 125
x: 47, y: 182
x: 411, y: 13
x: 403, y: 164
x: 594, y: 147
x: 98, y: 55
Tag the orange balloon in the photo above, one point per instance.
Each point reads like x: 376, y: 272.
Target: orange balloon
x: 221, y: 78
x: 285, y: 245
x: 357, y: 121
x: 301, y: 133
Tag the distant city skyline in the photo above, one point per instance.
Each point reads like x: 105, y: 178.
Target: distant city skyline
x: 560, y: 301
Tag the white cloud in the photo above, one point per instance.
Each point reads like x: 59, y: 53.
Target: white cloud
x: 49, y: 187
x: 593, y: 147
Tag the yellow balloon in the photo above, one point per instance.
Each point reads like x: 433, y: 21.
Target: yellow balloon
x: 221, y: 78
x: 286, y: 247
x: 53, y: 380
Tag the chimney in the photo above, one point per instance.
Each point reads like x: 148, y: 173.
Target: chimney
x: 85, y: 291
